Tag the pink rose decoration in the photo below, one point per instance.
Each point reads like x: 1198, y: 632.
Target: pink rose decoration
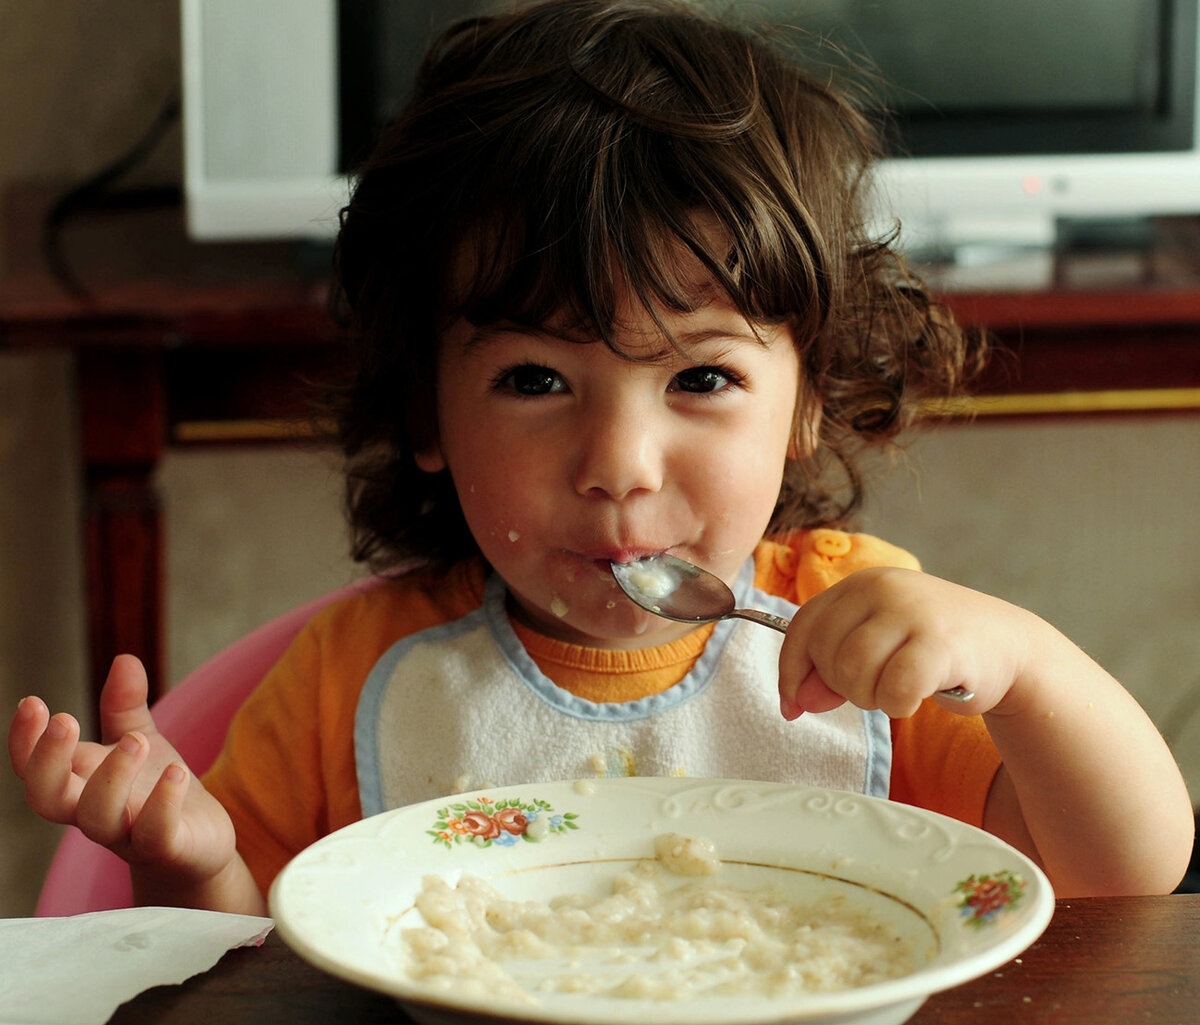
x: 480, y: 824
x: 512, y: 820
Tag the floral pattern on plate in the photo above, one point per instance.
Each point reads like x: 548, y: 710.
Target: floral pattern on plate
x: 983, y: 899
x: 482, y: 822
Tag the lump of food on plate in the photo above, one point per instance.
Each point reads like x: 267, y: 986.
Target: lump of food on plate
x: 686, y: 855
x: 652, y: 936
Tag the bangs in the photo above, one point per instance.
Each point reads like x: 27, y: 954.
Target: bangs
x: 502, y: 274
x: 629, y: 181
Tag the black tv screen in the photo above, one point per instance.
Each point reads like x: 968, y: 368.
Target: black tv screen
x: 947, y: 77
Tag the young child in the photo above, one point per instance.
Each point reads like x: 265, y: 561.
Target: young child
x: 613, y: 294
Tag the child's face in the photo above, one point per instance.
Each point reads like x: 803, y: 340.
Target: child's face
x: 565, y: 456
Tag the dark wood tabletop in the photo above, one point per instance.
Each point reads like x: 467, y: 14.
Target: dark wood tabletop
x: 1100, y: 961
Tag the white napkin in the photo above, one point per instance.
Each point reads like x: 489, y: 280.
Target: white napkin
x: 79, y: 970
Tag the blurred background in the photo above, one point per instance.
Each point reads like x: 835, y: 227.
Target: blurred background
x: 252, y: 530
x: 1092, y: 522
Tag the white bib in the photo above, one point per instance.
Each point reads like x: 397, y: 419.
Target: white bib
x: 462, y: 706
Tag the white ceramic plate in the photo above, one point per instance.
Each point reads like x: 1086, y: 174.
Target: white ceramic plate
x: 965, y: 901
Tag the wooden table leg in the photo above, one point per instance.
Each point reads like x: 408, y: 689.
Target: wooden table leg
x: 123, y: 432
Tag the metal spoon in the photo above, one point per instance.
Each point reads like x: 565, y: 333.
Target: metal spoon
x: 675, y: 589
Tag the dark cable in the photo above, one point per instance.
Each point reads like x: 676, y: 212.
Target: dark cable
x: 93, y: 194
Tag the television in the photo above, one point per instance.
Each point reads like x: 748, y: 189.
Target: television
x: 1005, y: 119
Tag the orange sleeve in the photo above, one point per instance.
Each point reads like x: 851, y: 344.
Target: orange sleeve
x: 267, y: 775
x: 940, y: 760
x: 944, y: 762
x: 287, y: 773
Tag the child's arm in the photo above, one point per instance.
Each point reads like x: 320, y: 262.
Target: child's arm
x: 1088, y: 786
x: 134, y: 796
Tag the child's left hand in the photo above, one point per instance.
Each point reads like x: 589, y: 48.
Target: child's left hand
x: 889, y: 638
x: 1087, y: 786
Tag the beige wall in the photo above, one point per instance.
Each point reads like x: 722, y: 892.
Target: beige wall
x: 79, y: 82
x: 1094, y: 525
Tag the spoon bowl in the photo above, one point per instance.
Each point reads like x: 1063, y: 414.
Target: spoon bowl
x: 678, y: 590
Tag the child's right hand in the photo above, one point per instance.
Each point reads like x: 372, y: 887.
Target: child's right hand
x: 131, y: 793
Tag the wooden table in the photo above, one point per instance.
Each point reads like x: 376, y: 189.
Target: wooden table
x: 177, y: 343
x: 174, y: 344
x: 1101, y: 961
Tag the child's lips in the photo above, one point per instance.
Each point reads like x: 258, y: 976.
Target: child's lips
x: 622, y: 554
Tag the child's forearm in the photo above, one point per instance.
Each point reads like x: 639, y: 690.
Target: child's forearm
x: 1087, y: 778
x: 232, y: 890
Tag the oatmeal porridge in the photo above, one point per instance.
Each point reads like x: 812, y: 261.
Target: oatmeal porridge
x: 669, y: 929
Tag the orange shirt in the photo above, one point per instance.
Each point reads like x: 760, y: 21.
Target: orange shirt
x: 288, y: 776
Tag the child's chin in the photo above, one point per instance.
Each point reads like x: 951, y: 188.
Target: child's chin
x: 602, y: 628
x: 634, y: 628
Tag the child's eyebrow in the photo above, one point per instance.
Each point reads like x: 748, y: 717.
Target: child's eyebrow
x: 734, y: 331
x: 730, y: 334
x: 484, y: 334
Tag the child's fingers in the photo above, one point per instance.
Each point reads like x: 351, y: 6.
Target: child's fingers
x: 28, y: 724
x: 815, y: 695
x: 51, y: 787
x: 157, y: 829
x: 824, y: 661
x: 794, y: 668
x: 103, y: 812
x: 917, y: 669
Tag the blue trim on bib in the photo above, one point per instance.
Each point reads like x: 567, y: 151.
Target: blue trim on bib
x: 366, y: 715
x: 877, y: 780
x: 878, y: 777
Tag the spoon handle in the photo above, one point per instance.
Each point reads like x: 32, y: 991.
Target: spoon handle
x: 762, y: 618
x: 959, y: 693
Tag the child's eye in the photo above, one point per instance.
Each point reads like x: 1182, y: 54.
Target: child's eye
x: 703, y: 379
x: 530, y: 379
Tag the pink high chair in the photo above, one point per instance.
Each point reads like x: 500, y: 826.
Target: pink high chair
x: 195, y: 714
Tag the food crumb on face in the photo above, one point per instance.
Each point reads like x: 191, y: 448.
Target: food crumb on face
x: 559, y: 607
x: 514, y: 536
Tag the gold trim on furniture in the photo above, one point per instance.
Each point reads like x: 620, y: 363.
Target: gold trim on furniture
x: 1039, y: 404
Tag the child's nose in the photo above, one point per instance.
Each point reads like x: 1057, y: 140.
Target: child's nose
x: 618, y: 455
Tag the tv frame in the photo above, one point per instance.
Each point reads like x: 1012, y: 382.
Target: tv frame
x: 260, y: 85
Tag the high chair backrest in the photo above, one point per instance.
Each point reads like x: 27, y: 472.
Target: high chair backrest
x: 195, y: 716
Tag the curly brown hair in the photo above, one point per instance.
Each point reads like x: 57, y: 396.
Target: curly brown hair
x: 568, y: 147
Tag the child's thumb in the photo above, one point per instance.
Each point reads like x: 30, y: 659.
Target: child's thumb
x: 123, y: 700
